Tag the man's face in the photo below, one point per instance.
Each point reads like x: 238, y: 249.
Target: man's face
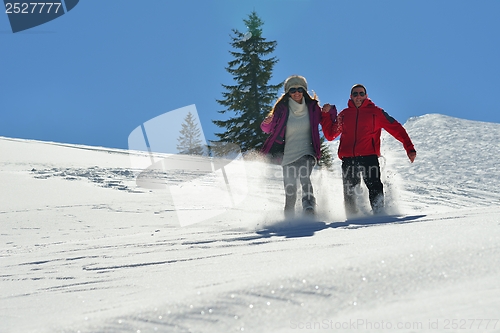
x: 356, y: 96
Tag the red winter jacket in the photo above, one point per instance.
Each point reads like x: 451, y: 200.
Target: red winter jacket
x: 361, y: 128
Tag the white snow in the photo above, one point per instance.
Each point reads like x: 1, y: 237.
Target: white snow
x: 83, y: 249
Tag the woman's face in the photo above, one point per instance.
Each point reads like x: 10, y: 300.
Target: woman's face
x: 296, y: 94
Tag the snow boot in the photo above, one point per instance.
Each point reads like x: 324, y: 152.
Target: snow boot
x: 309, y: 205
x: 378, y: 205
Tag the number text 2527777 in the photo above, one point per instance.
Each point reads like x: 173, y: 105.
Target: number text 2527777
x: 32, y: 7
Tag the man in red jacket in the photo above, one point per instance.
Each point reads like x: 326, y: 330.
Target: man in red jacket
x: 361, y: 124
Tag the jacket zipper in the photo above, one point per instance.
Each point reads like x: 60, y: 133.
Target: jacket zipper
x: 355, y: 134
x: 373, y: 130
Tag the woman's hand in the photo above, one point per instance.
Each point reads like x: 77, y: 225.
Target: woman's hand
x: 267, y: 120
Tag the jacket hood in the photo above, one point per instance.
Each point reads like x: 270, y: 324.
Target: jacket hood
x: 366, y: 103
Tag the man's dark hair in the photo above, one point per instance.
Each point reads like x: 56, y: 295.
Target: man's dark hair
x: 358, y: 85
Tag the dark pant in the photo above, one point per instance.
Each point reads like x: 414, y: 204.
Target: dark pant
x: 299, y: 170
x: 353, y: 168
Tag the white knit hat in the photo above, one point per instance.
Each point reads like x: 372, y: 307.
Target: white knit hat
x: 295, y: 81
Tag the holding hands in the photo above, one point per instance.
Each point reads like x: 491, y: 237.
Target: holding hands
x: 326, y: 108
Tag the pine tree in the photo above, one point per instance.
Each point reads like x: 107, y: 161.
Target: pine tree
x: 189, y: 140
x: 326, y: 160
x: 251, y: 97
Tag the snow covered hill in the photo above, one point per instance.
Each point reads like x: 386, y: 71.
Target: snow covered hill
x: 458, y: 163
x: 83, y: 249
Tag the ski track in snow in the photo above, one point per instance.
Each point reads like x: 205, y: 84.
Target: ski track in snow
x: 85, y: 250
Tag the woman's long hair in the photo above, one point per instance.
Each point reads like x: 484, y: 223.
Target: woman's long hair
x: 286, y: 96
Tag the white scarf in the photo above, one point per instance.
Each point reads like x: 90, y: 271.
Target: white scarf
x: 298, y: 109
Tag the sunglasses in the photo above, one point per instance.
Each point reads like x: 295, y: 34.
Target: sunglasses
x: 294, y: 90
x: 355, y: 94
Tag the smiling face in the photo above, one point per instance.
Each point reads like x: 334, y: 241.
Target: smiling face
x: 358, y: 95
x: 296, y: 94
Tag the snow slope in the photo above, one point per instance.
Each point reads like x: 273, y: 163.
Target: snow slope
x: 83, y: 249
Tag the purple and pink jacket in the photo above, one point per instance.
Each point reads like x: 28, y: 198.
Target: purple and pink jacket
x: 277, y: 126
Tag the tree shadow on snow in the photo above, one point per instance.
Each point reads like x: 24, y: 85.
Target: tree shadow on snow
x: 360, y: 222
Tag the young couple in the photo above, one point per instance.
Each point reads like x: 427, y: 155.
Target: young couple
x: 294, y: 140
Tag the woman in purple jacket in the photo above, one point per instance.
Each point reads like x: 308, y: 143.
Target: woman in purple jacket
x: 294, y: 141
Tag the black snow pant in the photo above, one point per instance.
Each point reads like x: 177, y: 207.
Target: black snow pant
x: 367, y: 167
x: 300, y: 170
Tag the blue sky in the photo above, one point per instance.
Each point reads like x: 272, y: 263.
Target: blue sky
x: 98, y: 72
